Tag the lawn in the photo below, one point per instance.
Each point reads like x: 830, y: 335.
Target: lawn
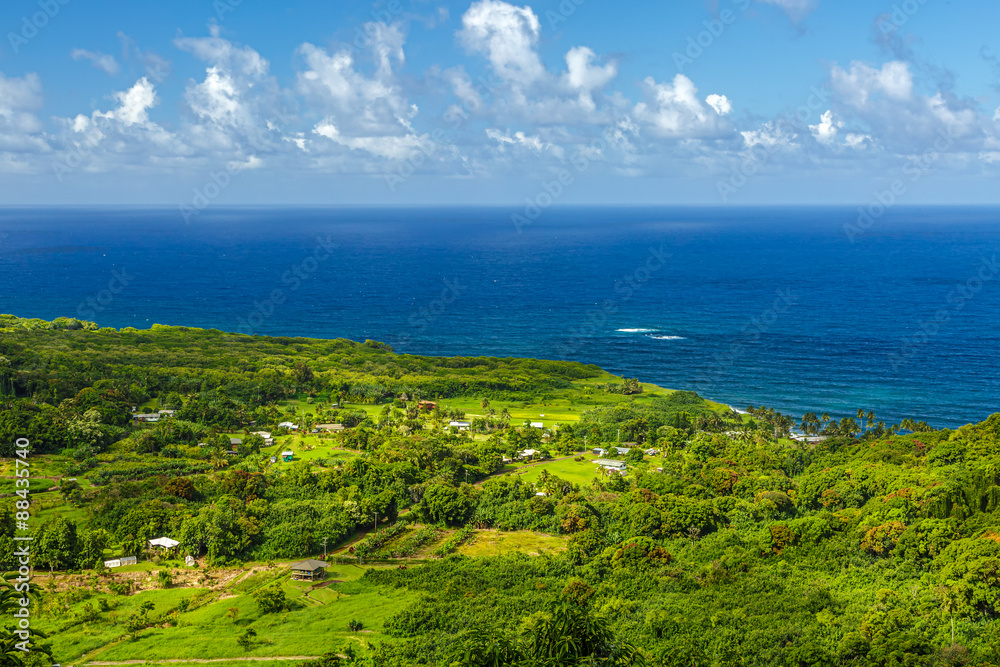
x: 494, y: 543
x: 576, y: 472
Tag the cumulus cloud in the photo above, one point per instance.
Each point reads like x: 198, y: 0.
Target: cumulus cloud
x: 674, y: 110
x: 363, y: 112
x: 885, y: 101
x: 507, y: 36
x: 101, y: 61
x: 583, y: 77
x: 826, y: 130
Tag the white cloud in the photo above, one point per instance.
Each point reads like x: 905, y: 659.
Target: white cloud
x: 362, y: 112
x: 797, y: 10
x: 826, y: 130
x: 507, y: 35
x: 769, y: 135
x: 674, y: 110
x: 720, y: 103
x: 101, y: 61
x: 133, y: 104
x: 503, y: 139
x: 583, y: 77
x: 861, y: 83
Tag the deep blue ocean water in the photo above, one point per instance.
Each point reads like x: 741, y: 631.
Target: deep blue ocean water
x: 757, y: 305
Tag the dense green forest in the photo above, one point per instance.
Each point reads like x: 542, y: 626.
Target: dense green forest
x: 726, y: 542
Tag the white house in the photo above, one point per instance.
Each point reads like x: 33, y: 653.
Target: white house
x: 151, y: 418
x: 289, y: 425
x: 531, y: 454
x: 610, y: 464
x: 461, y: 426
x: 163, y: 543
x: 537, y: 425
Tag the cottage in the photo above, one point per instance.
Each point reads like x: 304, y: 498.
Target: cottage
x: 289, y: 425
x: 610, y: 464
x: 151, y: 418
x: 537, y: 425
x: 461, y: 426
x: 531, y: 454
x: 235, y: 442
x: 287, y: 456
x: 163, y: 543
x: 308, y: 570
x: 167, y: 413
x: 426, y: 405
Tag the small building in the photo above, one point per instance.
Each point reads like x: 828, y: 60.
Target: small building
x: 274, y: 459
x: 120, y: 562
x: 287, y: 456
x: 426, y: 405
x: 167, y: 413
x: 611, y: 464
x: 461, y: 426
x: 537, y: 425
x: 235, y: 442
x: 289, y: 425
x: 330, y: 428
x: 531, y: 454
x: 151, y: 417
x: 308, y: 570
x: 163, y: 543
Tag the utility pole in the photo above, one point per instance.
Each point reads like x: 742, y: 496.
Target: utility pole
x: 324, y: 548
x: 376, y: 522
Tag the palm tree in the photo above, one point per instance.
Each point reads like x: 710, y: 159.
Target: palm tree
x: 485, y: 404
x: 861, y: 417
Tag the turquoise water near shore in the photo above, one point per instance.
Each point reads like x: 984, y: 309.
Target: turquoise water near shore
x: 775, y: 306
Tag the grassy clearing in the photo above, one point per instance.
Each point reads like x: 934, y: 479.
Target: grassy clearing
x: 576, y: 472
x: 494, y: 543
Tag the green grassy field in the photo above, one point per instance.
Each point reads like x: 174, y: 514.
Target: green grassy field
x: 494, y: 543
x: 315, y: 623
x: 576, y: 472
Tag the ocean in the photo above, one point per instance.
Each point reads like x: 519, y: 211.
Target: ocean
x: 800, y: 309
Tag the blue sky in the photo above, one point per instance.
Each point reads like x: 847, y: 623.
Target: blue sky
x: 195, y: 103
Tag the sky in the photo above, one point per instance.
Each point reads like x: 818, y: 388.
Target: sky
x: 195, y: 103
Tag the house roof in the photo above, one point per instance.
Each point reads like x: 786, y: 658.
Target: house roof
x: 164, y: 542
x: 608, y: 462
x: 309, y: 564
x: 289, y: 453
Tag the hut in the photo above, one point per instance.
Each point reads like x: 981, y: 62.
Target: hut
x: 308, y: 570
